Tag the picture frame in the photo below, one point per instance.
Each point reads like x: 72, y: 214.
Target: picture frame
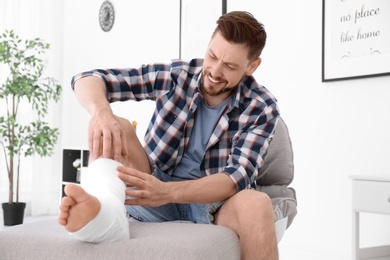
x: 355, y: 39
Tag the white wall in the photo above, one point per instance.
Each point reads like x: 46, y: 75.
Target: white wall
x: 195, y: 32
x: 143, y: 32
x: 338, y: 129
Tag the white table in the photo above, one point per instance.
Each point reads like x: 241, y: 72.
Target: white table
x: 370, y: 194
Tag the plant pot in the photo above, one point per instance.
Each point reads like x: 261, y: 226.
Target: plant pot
x: 13, y: 213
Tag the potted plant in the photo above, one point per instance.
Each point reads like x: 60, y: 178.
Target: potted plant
x: 23, y: 84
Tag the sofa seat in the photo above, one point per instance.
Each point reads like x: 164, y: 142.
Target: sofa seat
x: 169, y: 240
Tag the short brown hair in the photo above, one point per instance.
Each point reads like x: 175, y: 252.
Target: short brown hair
x: 242, y: 28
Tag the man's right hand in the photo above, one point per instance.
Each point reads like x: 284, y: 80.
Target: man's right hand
x: 106, y: 138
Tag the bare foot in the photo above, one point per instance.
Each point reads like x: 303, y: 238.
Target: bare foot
x: 78, y: 208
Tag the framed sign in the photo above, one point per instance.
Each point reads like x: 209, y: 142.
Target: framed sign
x: 355, y: 39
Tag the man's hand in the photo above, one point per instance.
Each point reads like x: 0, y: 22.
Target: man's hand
x: 106, y: 138
x: 149, y: 191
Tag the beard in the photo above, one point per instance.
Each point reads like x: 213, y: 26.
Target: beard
x: 213, y: 91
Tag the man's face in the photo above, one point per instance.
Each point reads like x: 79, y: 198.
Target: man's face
x: 225, y: 64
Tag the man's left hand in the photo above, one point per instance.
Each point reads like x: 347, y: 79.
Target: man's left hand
x: 149, y: 190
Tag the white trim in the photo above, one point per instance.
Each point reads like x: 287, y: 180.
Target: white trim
x: 299, y: 252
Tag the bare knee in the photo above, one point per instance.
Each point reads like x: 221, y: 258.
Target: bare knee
x: 247, y: 206
x: 261, y: 204
x: 136, y: 158
x: 127, y: 127
x: 250, y: 215
x: 252, y: 201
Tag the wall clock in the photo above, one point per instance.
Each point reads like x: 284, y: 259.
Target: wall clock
x: 106, y: 16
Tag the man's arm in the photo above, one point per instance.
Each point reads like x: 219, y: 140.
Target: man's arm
x: 213, y: 188
x: 153, y: 192
x: 105, y: 137
x: 91, y: 93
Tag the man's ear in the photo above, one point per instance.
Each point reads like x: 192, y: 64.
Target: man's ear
x: 253, y: 66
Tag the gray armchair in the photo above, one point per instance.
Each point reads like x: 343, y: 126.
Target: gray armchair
x: 275, y: 177
x: 171, y: 240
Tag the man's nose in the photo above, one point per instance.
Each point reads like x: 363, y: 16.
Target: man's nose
x: 216, y: 70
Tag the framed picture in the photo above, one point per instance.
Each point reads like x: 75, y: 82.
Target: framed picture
x: 355, y: 39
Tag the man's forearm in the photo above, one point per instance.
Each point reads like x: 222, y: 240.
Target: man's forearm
x: 213, y: 188
x: 105, y: 135
x: 91, y: 93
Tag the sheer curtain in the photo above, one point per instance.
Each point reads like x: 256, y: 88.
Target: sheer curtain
x: 40, y: 184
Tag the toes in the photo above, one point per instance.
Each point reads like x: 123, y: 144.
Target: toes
x: 62, y: 221
x: 66, y: 202
x: 77, y: 193
x: 63, y: 215
x: 64, y: 208
x: 63, y: 218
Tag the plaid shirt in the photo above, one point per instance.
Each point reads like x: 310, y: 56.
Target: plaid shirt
x: 239, y: 143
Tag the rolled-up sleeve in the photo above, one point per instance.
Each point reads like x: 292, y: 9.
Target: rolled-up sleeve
x: 250, y: 147
x: 132, y: 83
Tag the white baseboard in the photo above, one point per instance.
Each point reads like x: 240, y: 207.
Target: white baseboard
x: 305, y: 252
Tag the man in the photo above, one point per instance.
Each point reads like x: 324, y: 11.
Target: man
x: 207, y: 139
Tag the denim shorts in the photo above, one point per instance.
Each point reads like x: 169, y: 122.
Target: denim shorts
x: 197, y: 213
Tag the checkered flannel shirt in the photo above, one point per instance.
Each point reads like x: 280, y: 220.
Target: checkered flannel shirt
x: 238, y: 145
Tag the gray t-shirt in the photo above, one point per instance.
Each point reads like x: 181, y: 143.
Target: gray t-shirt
x: 206, y: 118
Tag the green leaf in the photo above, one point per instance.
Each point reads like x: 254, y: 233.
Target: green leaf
x: 24, y: 63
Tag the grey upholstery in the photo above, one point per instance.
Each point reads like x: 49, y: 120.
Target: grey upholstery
x: 171, y: 240
x: 278, y: 172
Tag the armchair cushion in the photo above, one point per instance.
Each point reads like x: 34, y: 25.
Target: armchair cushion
x: 170, y: 240
x: 278, y: 172
x: 278, y: 167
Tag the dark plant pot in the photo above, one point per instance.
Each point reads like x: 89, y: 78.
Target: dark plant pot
x: 13, y: 213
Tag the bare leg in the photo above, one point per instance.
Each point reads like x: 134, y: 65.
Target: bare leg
x: 137, y: 158
x: 250, y: 215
